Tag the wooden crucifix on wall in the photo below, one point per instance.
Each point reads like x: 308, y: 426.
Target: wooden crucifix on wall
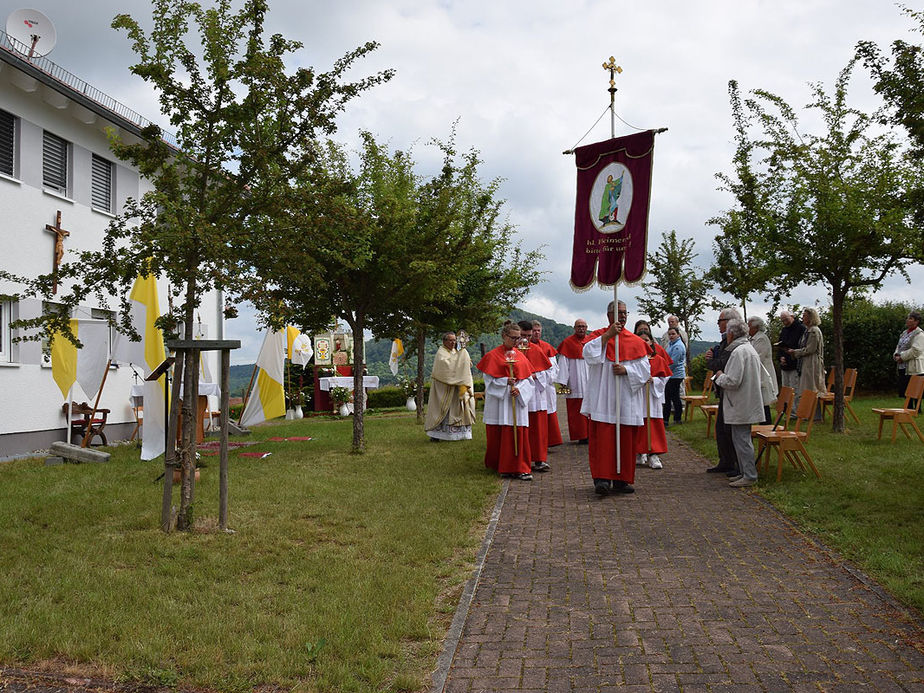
x: 60, y: 235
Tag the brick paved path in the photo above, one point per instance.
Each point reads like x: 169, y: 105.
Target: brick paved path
x: 685, y: 585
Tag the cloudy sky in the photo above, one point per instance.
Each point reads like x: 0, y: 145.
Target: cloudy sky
x: 525, y: 81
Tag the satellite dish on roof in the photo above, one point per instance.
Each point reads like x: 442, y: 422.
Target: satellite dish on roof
x: 34, y: 33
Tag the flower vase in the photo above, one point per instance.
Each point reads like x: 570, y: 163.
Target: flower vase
x: 299, y: 414
x: 344, y: 410
x: 290, y: 414
x: 411, y: 404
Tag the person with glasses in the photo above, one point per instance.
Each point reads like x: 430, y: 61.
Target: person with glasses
x: 716, y: 358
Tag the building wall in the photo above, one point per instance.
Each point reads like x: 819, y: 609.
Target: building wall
x: 30, y: 403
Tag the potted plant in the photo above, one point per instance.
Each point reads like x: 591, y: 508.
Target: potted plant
x: 409, y: 387
x: 298, y: 399
x: 340, y: 396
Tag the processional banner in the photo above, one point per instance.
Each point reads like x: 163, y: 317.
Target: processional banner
x: 611, y: 212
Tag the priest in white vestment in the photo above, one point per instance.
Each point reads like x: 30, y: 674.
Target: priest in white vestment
x: 451, y: 405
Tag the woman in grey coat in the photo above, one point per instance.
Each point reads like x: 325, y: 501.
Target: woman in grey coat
x: 811, y: 356
x: 757, y: 329
x: 744, y: 404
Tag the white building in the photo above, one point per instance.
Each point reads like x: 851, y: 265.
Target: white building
x: 54, y: 157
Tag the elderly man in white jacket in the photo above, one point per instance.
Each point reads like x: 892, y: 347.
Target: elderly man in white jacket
x: 740, y: 383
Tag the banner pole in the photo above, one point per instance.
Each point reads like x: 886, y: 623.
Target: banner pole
x: 613, y: 69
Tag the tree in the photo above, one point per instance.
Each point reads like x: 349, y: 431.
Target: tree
x: 835, y: 209
x: 902, y: 88
x: 679, y: 288
x: 743, y: 264
x: 244, y: 128
x: 388, y: 253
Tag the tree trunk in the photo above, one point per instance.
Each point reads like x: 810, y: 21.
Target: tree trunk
x: 359, y: 394
x: 838, y: 294
x: 419, y: 395
x: 190, y: 386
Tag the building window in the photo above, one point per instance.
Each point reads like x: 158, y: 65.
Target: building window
x: 6, y: 334
x: 101, y: 193
x: 54, y: 163
x: 7, y: 142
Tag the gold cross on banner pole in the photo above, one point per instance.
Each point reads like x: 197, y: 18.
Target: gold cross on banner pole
x: 613, y: 69
x: 60, y: 235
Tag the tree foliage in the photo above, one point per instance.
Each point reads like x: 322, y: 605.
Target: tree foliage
x: 244, y: 127
x: 679, y: 287
x: 833, y: 205
x: 392, y: 253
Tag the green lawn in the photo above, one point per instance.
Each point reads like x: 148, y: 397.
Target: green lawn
x: 342, y: 574
x: 869, y: 502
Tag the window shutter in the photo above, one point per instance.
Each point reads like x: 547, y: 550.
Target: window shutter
x: 101, y: 193
x: 54, y: 163
x: 7, y: 134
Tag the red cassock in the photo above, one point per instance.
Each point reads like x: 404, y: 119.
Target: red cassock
x: 659, y: 369
x: 601, y: 449
x: 539, y: 419
x: 554, y: 429
x: 499, y: 452
x: 572, y: 348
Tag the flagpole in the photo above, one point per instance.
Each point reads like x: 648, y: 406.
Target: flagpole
x: 613, y: 68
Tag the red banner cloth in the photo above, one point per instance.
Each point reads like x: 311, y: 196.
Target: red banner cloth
x: 611, y: 211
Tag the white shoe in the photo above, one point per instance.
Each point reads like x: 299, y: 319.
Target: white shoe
x: 641, y: 460
x: 654, y: 462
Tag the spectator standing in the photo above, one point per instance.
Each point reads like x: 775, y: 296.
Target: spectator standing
x: 790, y: 338
x: 909, y: 352
x: 757, y: 330
x: 716, y: 358
x: 605, y: 369
x: 811, y: 355
x: 740, y: 383
x: 673, y: 322
x: 572, y: 374
x: 677, y: 350
x: 506, y: 407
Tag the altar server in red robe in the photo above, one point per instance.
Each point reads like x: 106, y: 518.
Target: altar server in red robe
x: 535, y: 337
x: 607, y: 378
x: 506, y: 406
x: 654, y: 413
x: 572, y: 373
x: 538, y: 405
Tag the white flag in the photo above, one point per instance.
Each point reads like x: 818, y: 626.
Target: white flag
x: 397, y: 349
x: 86, y: 365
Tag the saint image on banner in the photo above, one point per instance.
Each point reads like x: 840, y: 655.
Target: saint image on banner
x: 611, y: 198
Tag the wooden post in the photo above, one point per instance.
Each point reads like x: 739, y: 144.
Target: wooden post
x: 170, y: 450
x: 223, y: 458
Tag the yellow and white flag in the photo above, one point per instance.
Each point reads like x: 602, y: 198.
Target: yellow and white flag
x: 299, y: 348
x: 146, y: 355
x: 86, y: 365
x: 397, y: 349
x: 267, y: 398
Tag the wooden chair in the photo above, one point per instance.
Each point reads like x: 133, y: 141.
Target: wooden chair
x: 87, y: 423
x: 789, y: 444
x: 906, y: 414
x: 138, y: 411
x: 691, y: 402
x: 826, y: 399
x: 712, y: 412
x: 783, y: 407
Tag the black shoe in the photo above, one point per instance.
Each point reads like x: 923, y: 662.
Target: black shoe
x: 719, y: 469
x: 733, y: 472
x: 541, y: 466
x: 601, y: 487
x: 434, y: 440
x: 623, y: 487
x: 524, y: 477
x: 582, y: 441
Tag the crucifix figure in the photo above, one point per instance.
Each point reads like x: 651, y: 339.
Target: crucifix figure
x: 60, y: 235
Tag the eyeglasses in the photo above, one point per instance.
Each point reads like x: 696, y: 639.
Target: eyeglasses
x: 723, y: 319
